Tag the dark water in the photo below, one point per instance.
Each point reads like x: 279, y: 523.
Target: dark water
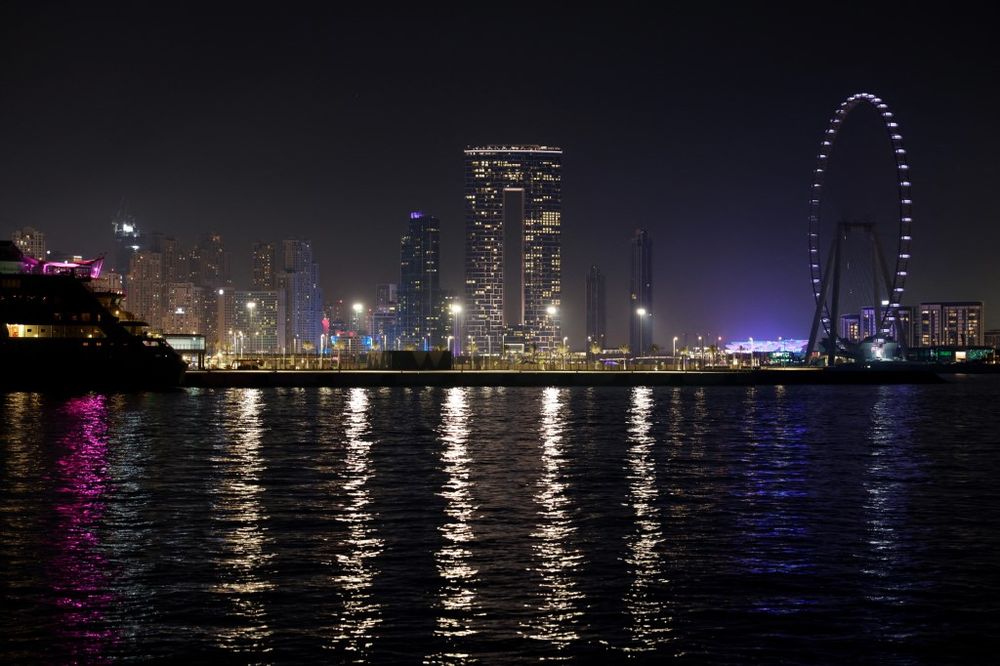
x: 495, y: 525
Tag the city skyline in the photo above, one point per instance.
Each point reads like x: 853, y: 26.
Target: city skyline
x: 713, y: 156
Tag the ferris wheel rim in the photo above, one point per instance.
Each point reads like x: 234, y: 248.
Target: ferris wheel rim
x: 905, y: 203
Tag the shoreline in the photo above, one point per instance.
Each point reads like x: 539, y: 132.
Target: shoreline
x: 515, y: 378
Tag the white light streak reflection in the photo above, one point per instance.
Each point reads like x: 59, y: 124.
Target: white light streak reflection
x: 240, y: 508
x: 891, y: 471
x: 457, y: 596
x: 650, y: 621
x: 558, y: 615
x: 361, y: 614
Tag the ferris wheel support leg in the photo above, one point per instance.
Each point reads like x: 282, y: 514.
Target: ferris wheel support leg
x: 835, y: 302
x: 820, y: 304
x: 884, y: 271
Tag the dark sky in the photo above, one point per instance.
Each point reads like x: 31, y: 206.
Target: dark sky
x: 328, y: 125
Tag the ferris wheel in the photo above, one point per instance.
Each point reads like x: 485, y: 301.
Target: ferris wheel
x: 826, y: 269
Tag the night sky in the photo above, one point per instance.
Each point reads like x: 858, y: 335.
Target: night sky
x: 333, y: 126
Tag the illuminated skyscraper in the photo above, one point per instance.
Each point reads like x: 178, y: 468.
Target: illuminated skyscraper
x: 419, y: 282
x: 513, y: 217
x: 640, y: 300
x: 299, y: 278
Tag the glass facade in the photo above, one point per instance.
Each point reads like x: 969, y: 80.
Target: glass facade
x: 419, y: 290
x: 492, y: 174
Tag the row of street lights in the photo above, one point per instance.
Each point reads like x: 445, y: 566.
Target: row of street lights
x: 455, y: 349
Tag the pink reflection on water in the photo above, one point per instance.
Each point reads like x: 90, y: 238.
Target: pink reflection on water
x: 80, y: 573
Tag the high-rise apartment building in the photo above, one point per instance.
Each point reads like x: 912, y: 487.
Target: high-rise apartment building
x: 513, y: 262
x: 597, y: 323
x: 264, y: 266
x: 419, y: 282
x: 210, y: 262
x: 128, y: 240
x: 957, y: 323
x: 30, y: 241
x: 145, y: 293
x: 258, y: 321
x: 183, y: 310
x: 640, y: 300
x: 299, y: 278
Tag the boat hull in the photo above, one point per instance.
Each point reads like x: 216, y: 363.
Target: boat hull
x: 46, y: 364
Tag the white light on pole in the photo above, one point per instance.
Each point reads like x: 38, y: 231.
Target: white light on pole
x: 456, y: 313
x: 358, y: 309
x: 551, y: 312
x: 640, y: 312
x: 251, y: 306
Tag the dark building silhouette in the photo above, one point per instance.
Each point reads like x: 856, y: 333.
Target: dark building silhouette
x: 640, y: 300
x: 596, y: 308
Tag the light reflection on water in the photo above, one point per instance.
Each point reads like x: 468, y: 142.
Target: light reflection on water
x: 775, y: 486
x: 457, y: 597
x: 558, y: 614
x: 650, y: 620
x: 361, y: 613
x: 240, y: 511
x: 794, y: 524
x: 890, y: 472
x: 80, y: 572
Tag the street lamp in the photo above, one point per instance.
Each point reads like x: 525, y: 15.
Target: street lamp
x: 251, y: 306
x: 565, y: 350
x: 456, y: 311
x: 641, y: 312
x: 551, y: 312
x: 358, y: 309
x: 751, y: 353
x: 450, y: 338
x: 701, y: 353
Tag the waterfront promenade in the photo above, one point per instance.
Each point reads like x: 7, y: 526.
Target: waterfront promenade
x: 447, y: 378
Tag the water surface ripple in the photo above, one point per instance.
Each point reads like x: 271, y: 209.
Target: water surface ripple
x: 497, y: 525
